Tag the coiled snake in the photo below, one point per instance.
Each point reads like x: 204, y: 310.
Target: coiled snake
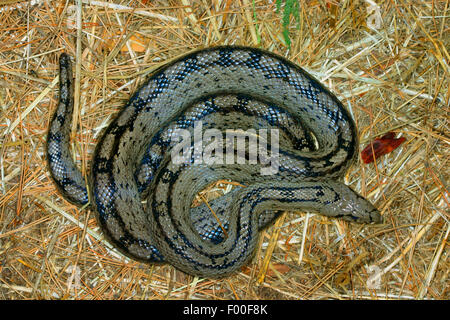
x: 228, y: 87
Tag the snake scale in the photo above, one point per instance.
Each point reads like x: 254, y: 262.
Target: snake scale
x: 143, y: 200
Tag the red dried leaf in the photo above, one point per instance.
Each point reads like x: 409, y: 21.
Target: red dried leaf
x: 281, y: 268
x: 381, y: 146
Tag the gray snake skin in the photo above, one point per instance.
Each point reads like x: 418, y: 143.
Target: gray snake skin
x: 143, y: 200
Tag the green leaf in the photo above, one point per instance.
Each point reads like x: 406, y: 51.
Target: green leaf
x: 291, y: 7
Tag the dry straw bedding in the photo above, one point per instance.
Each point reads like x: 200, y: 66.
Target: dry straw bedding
x: 393, y: 74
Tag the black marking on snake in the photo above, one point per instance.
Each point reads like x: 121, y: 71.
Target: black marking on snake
x: 225, y: 60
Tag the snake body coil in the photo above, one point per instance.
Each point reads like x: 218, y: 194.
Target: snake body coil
x: 222, y: 87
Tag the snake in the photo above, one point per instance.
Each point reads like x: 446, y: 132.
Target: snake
x: 143, y: 200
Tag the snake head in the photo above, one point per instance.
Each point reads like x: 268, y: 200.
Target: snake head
x: 353, y: 207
